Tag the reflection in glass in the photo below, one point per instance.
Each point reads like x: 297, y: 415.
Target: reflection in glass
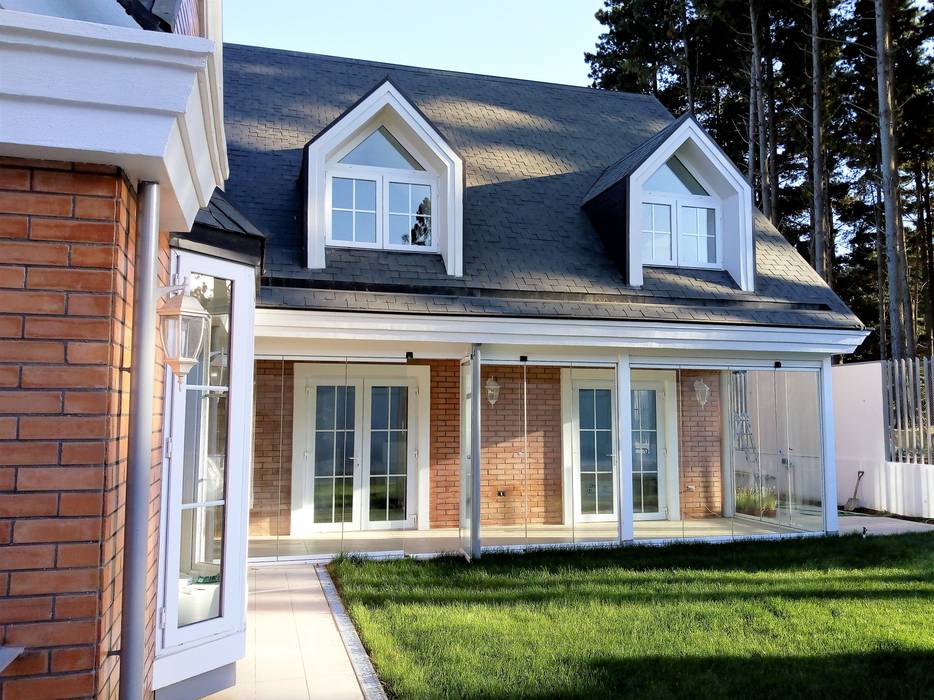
x: 675, y: 178
x: 409, y: 214
x: 644, y: 451
x: 334, y: 437
x: 353, y: 210
x: 596, y: 451
x: 204, y: 479
x: 388, y: 452
x: 381, y: 150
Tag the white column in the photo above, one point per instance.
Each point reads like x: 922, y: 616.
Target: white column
x: 476, y: 398
x: 829, y: 448
x: 624, y: 444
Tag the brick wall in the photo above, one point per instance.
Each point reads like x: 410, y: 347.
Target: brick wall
x: 67, y: 236
x: 272, y: 448
x: 445, y: 458
x: 533, y: 484
x: 700, y: 436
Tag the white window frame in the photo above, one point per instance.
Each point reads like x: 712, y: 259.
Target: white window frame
x: 382, y: 177
x: 676, y: 202
x: 182, y: 652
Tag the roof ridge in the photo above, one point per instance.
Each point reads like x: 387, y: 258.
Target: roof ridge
x: 613, y: 94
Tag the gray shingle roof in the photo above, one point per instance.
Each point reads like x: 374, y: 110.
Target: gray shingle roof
x: 531, y: 151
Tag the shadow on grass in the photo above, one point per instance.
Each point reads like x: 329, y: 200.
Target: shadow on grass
x: 881, y: 674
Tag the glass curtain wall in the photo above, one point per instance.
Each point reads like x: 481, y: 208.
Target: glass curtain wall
x: 549, y: 469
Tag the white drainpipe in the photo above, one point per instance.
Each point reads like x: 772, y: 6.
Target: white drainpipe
x: 139, y: 460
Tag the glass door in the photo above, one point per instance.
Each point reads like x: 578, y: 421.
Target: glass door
x: 594, y: 452
x: 468, y: 523
x: 333, y: 454
x: 649, y: 455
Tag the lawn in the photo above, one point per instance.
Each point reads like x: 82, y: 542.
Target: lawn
x: 784, y: 619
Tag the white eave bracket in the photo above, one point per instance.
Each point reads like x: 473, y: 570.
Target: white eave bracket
x: 146, y: 102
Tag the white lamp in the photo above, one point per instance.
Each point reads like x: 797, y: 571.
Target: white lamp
x: 183, y: 324
x: 702, y: 392
x: 492, y: 391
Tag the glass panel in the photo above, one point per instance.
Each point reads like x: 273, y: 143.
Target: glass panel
x: 421, y: 200
x: 365, y: 195
x: 365, y: 227
x: 381, y: 149
x: 342, y: 225
x: 389, y: 453
x: 399, y: 229
x: 674, y: 177
x: 657, y: 233
x: 398, y: 198
x: 342, y: 193
x: 333, y: 453
x: 200, y: 564
x: 465, y: 500
x: 409, y: 214
x: 644, y: 449
x: 395, y: 498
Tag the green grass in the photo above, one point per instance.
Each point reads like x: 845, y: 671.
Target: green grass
x: 787, y: 619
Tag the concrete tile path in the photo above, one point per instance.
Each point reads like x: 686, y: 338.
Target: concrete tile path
x: 294, y: 650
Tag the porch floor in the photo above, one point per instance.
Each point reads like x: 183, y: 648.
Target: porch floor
x: 441, y: 540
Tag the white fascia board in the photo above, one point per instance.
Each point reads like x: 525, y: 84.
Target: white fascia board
x: 331, y: 325
x: 146, y: 102
x: 319, y: 150
x: 690, y: 130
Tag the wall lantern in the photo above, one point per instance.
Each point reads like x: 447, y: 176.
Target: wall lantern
x: 183, y: 324
x: 702, y: 392
x: 492, y: 391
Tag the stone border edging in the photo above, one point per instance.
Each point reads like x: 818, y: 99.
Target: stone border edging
x: 359, y: 659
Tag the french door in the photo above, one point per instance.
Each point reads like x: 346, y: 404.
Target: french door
x: 594, y: 451
x: 361, y: 453
x: 649, y: 451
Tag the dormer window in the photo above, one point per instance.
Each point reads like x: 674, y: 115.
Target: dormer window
x: 382, y: 177
x: 381, y: 197
x: 679, y: 219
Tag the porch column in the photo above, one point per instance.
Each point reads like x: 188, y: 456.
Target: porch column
x: 624, y: 446
x: 475, y: 457
x: 829, y: 448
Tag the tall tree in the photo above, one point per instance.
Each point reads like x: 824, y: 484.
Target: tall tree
x: 902, y: 338
x: 765, y: 191
x: 817, y: 146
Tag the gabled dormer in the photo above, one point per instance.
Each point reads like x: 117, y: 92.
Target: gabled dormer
x: 382, y: 177
x: 676, y: 201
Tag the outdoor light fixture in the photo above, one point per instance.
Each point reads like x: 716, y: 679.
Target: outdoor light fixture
x: 492, y: 391
x: 183, y: 324
x: 702, y: 392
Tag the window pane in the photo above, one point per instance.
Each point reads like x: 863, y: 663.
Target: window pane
x: 379, y: 451
x: 649, y: 493
x: 399, y: 407
x: 200, y: 564
x: 674, y: 177
x: 343, y: 500
x: 378, y: 499
x: 421, y: 199
x: 588, y: 451
x: 365, y: 231
x: 343, y: 453
x: 648, y: 253
x: 345, y: 407
x: 646, y: 217
x: 342, y: 225
x: 663, y: 247
x: 365, y: 196
x: 382, y: 150
x: 689, y: 220
x: 324, y: 453
x: 396, y: 498
x: 662, y: 218
x: 379, y: 410
x: 586, y: 403
x: 421, y: 231
x: 214, y: 293
x: 398, y: 198
x: 342, y: 193
x: 688, y: 252
x: 604, y: 456
x: 604, y: 411
x: 324, y: 500
x: 398, y: 452
x: 205, y: 454
x: 604, y: 493
x: 399, y: 229
x: 324, y: 407
x: 588, y: 494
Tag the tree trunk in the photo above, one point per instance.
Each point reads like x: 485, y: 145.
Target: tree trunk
x: 880, y: 265
x: 819, y: 233
x: 688, y: 80
x: 902, y: 337
x: 764, y: 191
x: 751, y: 134
x: 928, y: 250
x: 773, y: 135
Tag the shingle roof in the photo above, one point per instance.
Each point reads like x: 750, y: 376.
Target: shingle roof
x: 531, y: 151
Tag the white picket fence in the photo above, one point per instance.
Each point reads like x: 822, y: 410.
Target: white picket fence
x: 909, y: 401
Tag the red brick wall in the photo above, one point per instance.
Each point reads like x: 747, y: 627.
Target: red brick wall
x: 534, y: 484
x: 445, y: 459
x: 272, y: 448
x: 700, y: 430
x: 66, y: 249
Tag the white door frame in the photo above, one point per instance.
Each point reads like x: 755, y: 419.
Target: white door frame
x: 362, y: 376
x: 185, y: 651
x: 669, y: 487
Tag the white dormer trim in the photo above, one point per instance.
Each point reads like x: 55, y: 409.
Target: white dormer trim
x: 723, y: 179
x: 386, y: 106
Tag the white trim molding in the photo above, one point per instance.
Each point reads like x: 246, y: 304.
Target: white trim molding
x: 147, y: 102
x: 726, y: 184
x: 651, y: 336
x: 386, y: 106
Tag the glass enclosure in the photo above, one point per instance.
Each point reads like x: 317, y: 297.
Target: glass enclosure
x: 376, y: 458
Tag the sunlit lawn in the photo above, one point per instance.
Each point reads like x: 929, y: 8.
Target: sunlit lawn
x: 846, y: 617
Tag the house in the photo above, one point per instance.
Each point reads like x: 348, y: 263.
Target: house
x: 400, y: 311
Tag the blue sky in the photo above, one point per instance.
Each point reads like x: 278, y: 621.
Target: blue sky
x: 534, y: 39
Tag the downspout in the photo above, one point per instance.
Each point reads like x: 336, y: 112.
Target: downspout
x: 139, y: 460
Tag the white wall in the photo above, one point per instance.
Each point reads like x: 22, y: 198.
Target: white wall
x: 859, y: 421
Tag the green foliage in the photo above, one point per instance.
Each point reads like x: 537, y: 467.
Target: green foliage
x: 828, y: 617
x: 648, y: 46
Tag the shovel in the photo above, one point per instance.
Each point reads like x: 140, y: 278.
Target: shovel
x: 853, y: 503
